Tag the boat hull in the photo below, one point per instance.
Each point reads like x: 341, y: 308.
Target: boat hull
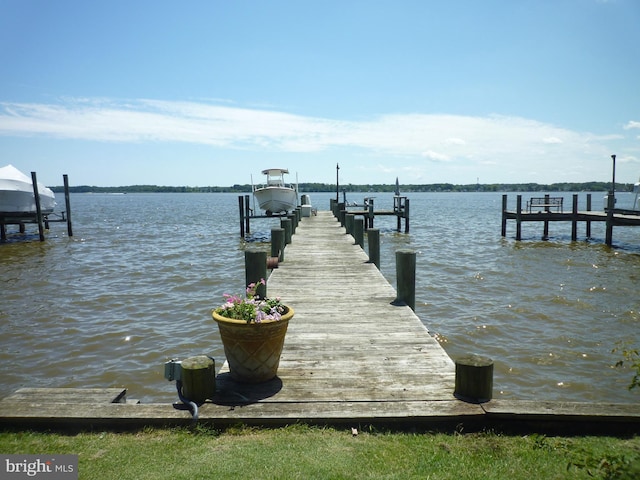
x: 276, y: 199
x: 16, y: 193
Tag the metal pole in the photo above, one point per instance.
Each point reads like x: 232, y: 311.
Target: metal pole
x: 337, y: 183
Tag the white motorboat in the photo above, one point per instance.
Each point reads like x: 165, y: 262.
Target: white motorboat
x: 17, y: 196
x: 276, y: 196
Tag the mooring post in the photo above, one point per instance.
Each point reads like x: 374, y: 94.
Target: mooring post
x: 343, y: 216
x: 504, y: 215
x: 406, y: 277
x: 277, y: 243
x: 340, y: 207
x: 370, y: 212
x: 348, y: 223
x: 255, y: 262
x: 36, y: 194
x: 406, y: 215
x: 373, y: 239
x: 247, y: 211
x: 545, y: 233
x: 588, y: 222
x: 294, y: 224
x: 574, y: 218
x: 67, y: 202
x: 358, y: 231
x: 519, y: 217
x: 474, y: 379
x: 241, y: 210
x: 611, y: 204
x: 198, y: 378
x: 285, y: 224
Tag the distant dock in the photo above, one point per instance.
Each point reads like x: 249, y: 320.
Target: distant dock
x: 549, y: 209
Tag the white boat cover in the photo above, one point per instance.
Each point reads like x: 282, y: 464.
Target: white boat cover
x: 16, y: 193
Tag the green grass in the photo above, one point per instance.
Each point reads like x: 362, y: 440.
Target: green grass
x: 328, y: 453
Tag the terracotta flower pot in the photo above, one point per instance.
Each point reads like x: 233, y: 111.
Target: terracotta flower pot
x: 253, y: 349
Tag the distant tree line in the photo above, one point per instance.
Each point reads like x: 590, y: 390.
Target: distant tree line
x: 326, y: 187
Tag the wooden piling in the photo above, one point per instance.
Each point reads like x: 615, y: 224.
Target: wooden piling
x: 406, y: 277
x: 348, y: 223
x: 242, y: 216
x: 36, y: 194
x: 474, y: 379
x: 67, y: 202
x: 255, y: 262
x: 285, y: 224
x: 588, y: 222
x: 574, y: 218
x: 199, y: 378
x: 247, y: 209
x: 373, y: 239
x: 519, y: 217
x: 277, y: 243
x: 545, y: 232
x: 611, y: 203
x: 504, y: 215
x: 358, y: 231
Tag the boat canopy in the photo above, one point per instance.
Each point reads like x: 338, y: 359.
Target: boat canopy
x: 275, y: 171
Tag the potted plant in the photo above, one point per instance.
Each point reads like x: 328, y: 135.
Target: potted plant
x: 252, y: 330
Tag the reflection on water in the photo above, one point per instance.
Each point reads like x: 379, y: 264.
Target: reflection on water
x: 135, y: 285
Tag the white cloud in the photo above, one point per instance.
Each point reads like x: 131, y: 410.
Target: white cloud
x: 464, y: 144
x: 632, y: 124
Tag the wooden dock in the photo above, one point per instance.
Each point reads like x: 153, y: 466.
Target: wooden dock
x: 611, y: 217
x: 351, y: 357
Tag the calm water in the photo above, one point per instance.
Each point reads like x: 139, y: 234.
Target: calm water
x: 134, y: 287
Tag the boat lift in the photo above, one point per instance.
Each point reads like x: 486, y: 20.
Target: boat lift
x: 42, y: 219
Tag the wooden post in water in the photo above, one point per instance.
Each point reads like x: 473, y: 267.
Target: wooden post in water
x: 611, y: 204
x: 370, y: 212
x: 67, y: 202
x: 474, y: 379
x: 285, y: 224
x: 358, y: 231
x: 36, y: 194
x: 504, y: 216
x: 406, y: 277
x: 277, y: 243
x: 343, y: 216
x: 588, y: 223
x: 241, y: 210
x: 519, y: 217
x: 406, y: 216
x: 255, y: 263
x: 247, y: 210
x: 545, y: 233
x: 574, y: 218
x: 198, y: 378
x: 373, y: 239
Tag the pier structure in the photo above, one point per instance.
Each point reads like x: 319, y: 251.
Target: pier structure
x: 368, y: 212
x: 551, y: 209
x: 38, y: 217
x: 355, y: 354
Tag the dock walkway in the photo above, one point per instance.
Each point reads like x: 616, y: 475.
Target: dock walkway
x: 349, y: 352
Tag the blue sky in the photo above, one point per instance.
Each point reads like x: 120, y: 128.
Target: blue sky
x: 211, y: 92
